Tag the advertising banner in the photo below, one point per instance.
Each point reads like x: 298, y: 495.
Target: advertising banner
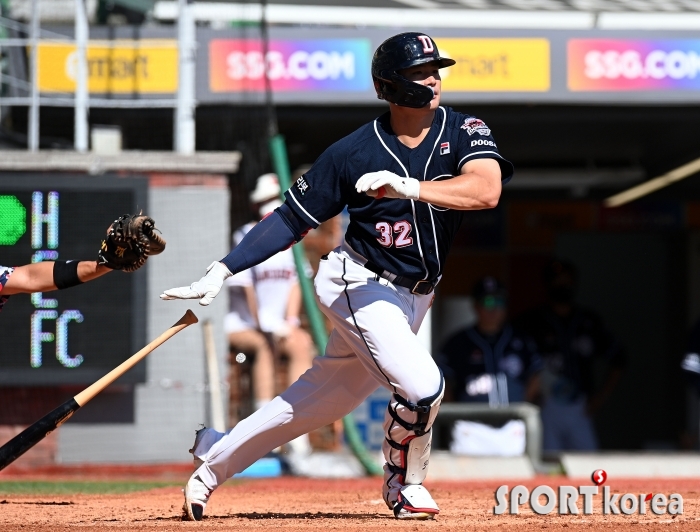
x: 633, y: 65
x: 147, y: 66
x: 237, y: 65
x: 323, y: 66
x: 496, y: 64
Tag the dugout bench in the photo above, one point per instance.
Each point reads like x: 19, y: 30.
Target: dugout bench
x: 529, y: 413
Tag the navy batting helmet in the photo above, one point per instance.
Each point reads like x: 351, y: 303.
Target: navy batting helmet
x: 401, y: 51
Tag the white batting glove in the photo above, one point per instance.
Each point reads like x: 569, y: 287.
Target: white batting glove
x: 206, y: 289
x: 394, y: 186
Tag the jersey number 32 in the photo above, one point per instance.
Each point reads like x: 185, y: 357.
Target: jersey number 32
x: 402, y: 230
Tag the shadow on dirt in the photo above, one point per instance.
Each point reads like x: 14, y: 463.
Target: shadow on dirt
x: 304, y: 515
x: 41, y: 503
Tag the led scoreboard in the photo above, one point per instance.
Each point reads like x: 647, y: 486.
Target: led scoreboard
x: 71, y: 336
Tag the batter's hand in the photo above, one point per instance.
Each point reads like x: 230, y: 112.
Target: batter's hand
x: 394, y: 185
x: 206, y: 289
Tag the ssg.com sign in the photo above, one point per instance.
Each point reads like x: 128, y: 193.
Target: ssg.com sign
x: 633, y: 65
x: 238, y: 65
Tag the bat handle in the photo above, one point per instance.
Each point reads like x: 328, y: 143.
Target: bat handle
x: 36, y: 432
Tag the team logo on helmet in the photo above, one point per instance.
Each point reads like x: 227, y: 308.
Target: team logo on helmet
x: 474, y: 125
x: 427, y: 43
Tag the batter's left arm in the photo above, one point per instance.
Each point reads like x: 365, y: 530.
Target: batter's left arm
x: 477, y: 187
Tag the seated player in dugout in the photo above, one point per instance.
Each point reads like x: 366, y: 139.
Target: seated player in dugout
x: 406, y: 179
x: 264, y: 307
x: 571, y: 341
x: 130, y: 241
x: 490, y: 362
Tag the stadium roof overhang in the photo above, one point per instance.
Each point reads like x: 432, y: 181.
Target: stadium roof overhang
x: 501, y: 14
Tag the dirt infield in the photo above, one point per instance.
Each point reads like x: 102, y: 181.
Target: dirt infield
x: 293, y: 504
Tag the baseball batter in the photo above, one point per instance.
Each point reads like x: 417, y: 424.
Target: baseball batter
x: 406, y: 179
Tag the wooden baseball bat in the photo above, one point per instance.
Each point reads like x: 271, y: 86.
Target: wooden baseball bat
x: 36, y: 432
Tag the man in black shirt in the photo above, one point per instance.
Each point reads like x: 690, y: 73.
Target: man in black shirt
x: 571, y: 340
x: 490, y: 362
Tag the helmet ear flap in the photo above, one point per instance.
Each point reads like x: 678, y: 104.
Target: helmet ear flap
x: 379, y: 87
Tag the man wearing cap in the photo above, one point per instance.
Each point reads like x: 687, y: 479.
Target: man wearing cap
x: 490, y: 361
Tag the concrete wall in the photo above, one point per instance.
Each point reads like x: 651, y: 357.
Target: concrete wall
x: 173, y: 401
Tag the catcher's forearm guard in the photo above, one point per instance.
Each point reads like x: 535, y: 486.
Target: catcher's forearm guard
x: 130, y: 240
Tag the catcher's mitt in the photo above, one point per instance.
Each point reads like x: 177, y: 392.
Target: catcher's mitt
x: 131, y: 239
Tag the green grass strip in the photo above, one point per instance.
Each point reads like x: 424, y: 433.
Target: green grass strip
x: 70, y: 487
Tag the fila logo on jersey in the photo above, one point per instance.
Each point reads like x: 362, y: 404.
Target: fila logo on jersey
x: 444, y: 148
x: 474, y: 125
x: 483, y: 142
x: 302, y: 185
x: 427, y: 44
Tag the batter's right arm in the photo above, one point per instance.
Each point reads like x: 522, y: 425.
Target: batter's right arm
x: 273, y: 234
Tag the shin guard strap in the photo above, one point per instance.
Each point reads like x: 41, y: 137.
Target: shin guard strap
x: 405, y: 424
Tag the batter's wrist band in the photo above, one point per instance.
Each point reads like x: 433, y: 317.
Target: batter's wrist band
x: 65, y: 274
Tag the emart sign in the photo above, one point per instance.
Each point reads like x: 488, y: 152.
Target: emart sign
x: 148, y: 66
x: 496, y: 65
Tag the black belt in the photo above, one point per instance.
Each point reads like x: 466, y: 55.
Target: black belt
x: 420, y: 287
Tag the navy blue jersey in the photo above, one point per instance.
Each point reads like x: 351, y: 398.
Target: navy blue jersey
x: 492, y: 369
x: 404, y: 237
x: 4, y: 275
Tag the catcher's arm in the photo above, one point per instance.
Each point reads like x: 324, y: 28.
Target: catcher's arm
x: 43, y: 276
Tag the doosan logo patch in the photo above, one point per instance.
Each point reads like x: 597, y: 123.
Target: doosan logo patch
x: 474, y: 125
x: 444, y: 148
x: 302, y: 186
